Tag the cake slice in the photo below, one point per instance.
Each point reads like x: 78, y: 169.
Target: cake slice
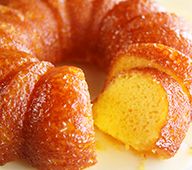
x: 146, y: 110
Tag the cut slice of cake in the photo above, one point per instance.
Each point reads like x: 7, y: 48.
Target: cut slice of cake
x: 146, y: 110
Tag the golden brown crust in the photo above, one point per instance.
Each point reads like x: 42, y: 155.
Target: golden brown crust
x: 62, y: 27
x: 10, y: 61
x: 63, y: 23
x: 116, y: 21
x: 79, y: 22
x: 14, y: 97
x: 24, y: 34
x: 58, y: 130
x: 18, y: 33
x: 73, y: 21
x: 43, y: 24
x: 163, y: 28
x: 178, y: 120
x: 167, y: 58
x: 15, y: 31
x: 99, y: 10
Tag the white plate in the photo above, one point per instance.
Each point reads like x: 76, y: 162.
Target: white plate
x: 112, y: 155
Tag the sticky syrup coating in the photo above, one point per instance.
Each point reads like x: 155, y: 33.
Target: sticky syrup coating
x: 179, y: 116
x: 14, y: 97
x: 18, y: 32
x: 169, y: 60
x: 60, y: 13
x: 82, y: 29
x: 10, y: 61
x: 43, y: 25
x: 58, y: 129
x: 99, y: 10
x: 117, y: 19
x: 159, y: 27
x: 74, y: 19
x: 12, y: 28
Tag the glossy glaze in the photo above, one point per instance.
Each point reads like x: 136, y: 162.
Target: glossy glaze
x: 159, y: 27
x: 115, y: 23
x: 167, y: 58
x: 58, y: 129
x: 14, y: 97
x: 178, y: 119
x: 68, y: 30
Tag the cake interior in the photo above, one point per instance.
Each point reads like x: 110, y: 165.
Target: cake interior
x: 133, y: 109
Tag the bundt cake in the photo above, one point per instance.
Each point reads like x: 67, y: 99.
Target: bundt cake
x: 46, y: 114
